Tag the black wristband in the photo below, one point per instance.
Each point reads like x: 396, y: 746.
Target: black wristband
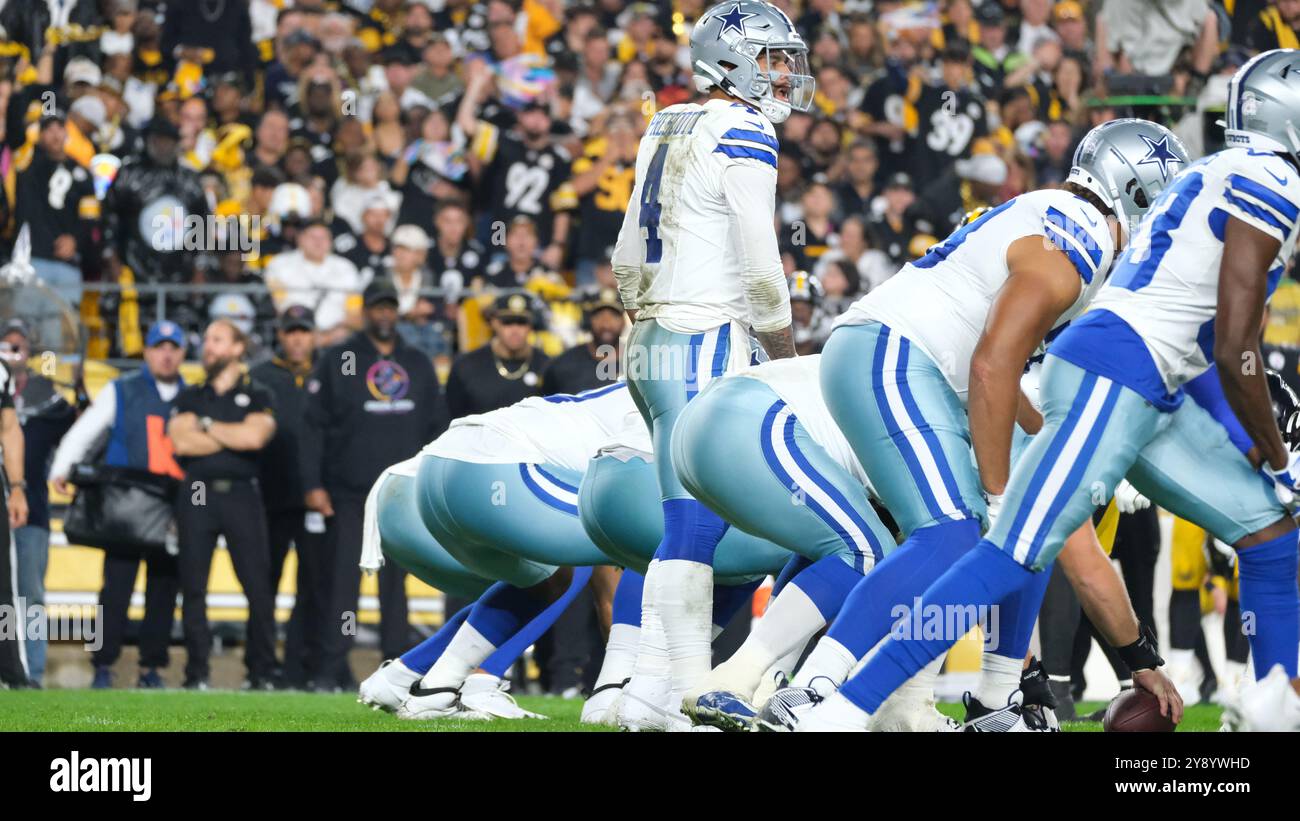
x: 1141, y: 654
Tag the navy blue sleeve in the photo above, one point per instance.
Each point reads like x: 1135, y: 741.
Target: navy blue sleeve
x: 1207, y: 391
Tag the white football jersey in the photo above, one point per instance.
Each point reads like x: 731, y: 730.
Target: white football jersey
x: 940, y: 302
x: 797, y: 381
x: 680, y: 230
x: 562, y: 429
x: 1166, y: 283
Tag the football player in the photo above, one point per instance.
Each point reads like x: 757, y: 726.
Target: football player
x: 1189, y: 290
x: 928, y: 366
x: 697, y: 262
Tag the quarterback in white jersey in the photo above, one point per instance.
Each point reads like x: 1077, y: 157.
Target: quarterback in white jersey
x: 698, y: 266
x: 927, y: 367
x: 1191, y: 287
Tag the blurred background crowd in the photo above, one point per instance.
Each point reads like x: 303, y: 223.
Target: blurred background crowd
x: 265, y: 161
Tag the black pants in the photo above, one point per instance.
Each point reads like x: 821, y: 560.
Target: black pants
x: 302, y: 649
x: 343, y: 533
x: 233, y: 509
x: 13, y: 657
x: 162, y: 582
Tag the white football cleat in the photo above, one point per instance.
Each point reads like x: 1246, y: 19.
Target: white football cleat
x: 648, y: 706
x: 1269, y: 705
x: 601, y: 708
x: 835, y: 714
x: 1012, y: 717
x: 437, y: 702
x: 486, y: 693
x: 910, y: 710
x: 388, y: 687
x: 788, y: 705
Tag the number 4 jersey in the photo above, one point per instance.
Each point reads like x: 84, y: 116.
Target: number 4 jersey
x: 698, y: 247
x: 1165, y: 286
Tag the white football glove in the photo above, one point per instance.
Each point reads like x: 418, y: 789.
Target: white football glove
x: 1128, y: 500
x: 1286, y: 482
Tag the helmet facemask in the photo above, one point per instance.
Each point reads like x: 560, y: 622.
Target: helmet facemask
x: 784, y: 81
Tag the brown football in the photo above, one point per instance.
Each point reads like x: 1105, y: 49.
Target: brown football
x: 1136, y: 711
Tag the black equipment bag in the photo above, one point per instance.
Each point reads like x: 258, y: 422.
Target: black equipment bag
x: 122, y: 510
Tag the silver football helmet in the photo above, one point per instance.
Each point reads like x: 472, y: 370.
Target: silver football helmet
x: 1264, y: 103
x: 751, y: 50
x: 1127, y: 163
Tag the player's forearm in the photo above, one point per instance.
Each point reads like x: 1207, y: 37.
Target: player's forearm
x: 1247, y: 393
x: 1100, y: 590
x: 778, y: 344
x: 992, y: 407
x: 246, y: 435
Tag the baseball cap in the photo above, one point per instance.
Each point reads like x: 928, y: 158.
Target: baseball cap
x: 165, y: 331
x: 899, y: 180
x: 57, y: 115
x: 512, y: 306
x: 82, y: 70
x: 411, y: 236
x: 16, y: 325
x: 990, y: 13
x: 379, y: 290
x: 603, y: 299
x: 985, y: 168
x: 91, y: 108
x: 1068, y: 10
x: 163, y: 127
x: 297, y: 318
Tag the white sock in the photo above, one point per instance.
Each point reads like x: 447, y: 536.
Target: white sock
x: 789, y: 622
x: 652, y: 662
x: 1181, y: 659
x: 684, y: 596
x: 467, y: 650
x: 830, y: 659
x: 399, y: 674
x: 620, y: 654
x: 999, y: 678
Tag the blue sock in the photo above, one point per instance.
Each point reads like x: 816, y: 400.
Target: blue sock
x: 627, y: 598
x: 422, y: 656
x: 1267, y: 574
x: 691, y: 532
x: 869, y: 611
x: 828, y: 582
x: 794, y: 567
x: 505, y: 655
x: 727, y: 599
x: 984, y: 576
x: 1011, y: 638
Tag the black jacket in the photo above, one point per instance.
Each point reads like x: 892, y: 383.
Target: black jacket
x: 142, y: 188
x: 365, y: 412
x: 280, y: 472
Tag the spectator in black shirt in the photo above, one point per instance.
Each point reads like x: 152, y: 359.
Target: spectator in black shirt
x: 593, y: 363
x: 55, y: 198
x: 218, y: 430
x: 373, y: 401
x: 505, y: 370
x: 370, y: 249
x: 287, y: 518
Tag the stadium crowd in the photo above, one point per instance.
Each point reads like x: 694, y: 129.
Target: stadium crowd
x: 268, y: 162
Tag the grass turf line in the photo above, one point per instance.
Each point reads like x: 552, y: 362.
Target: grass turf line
x: 226, y: 711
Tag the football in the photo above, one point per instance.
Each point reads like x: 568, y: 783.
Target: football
x: 1136, y: 711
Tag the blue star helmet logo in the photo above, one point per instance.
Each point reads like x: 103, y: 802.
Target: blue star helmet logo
x: 1161, y: 153
x: 734, y: 20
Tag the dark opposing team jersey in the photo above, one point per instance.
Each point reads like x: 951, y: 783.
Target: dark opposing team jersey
x: 532, y: 182
x: 883, y: 103
x: 54, y: 198
x: 368, y: 262
x: 1285, y: 359
x: 468, y: 262
x: 942, y: 123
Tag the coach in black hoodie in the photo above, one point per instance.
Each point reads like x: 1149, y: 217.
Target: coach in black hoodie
x: 372, y: 401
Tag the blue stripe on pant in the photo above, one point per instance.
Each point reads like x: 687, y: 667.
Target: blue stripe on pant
x: 741, y: 451
x: 619, y: 508
x: 904, y: 423
x: 510, y: 522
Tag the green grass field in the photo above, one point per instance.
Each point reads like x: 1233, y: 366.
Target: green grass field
x: 225, y: 711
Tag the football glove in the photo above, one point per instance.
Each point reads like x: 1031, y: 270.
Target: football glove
x: 1128, y: 499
